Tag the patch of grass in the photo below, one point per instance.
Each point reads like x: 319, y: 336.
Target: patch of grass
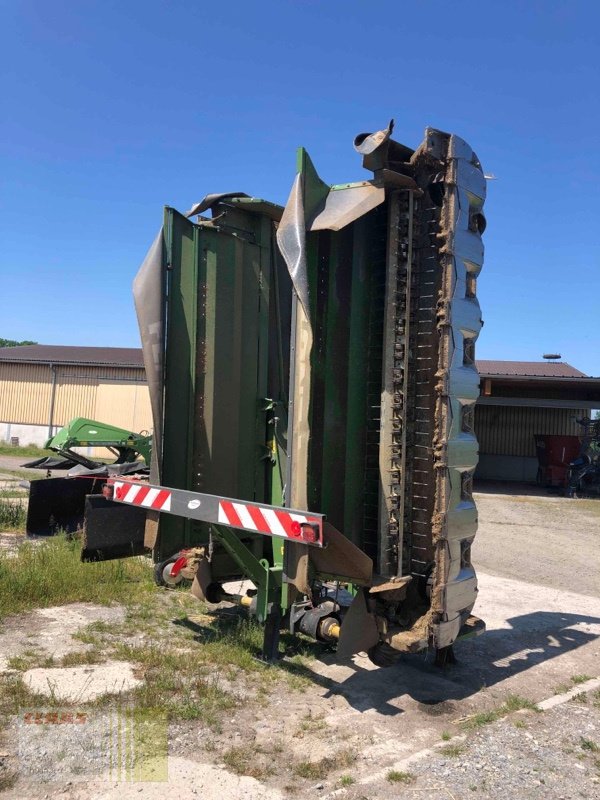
x: 310, y: 725
x: 31, y: 450
x: 76, y: 659
x: 5, y: 494
x: 176, y: 683
x: 12, y: 515
x: 29, y: 659
x: 512, y: 703
x: 452, y: 750
x: 16, y: 696
x: 52, y: 573
x: 313, y: 770
x: 319, y: 770
x: 516, y: 703
x: 347, y: 780
x: 589, y: 745
x: 7, y: 779
x: 249, y: 760
x: 397, y: 776
x: 446, y: 736
x: 518, y: 723
x: 580, y: 678
x: 580, y: 697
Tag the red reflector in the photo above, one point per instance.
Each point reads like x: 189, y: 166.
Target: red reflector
x: 120, y: 492
x: 295, y: 528
x: 309, y: 534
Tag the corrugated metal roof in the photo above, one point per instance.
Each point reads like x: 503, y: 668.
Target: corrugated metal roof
x: 64, y: 354
x: 132, y: 357
x: 533, y: 369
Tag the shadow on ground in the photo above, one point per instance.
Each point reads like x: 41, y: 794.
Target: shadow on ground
x: 483, y: 662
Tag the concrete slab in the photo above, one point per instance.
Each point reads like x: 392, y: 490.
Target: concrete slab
x: 82, y: 684
x: 50, y: 630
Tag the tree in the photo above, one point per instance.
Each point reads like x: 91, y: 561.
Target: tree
x: 13, y: 343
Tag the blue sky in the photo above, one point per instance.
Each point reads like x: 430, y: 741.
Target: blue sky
x: 113, y: 109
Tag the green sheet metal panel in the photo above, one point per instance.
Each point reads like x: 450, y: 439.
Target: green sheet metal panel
x: 217, y: 421
x: 346, y: 278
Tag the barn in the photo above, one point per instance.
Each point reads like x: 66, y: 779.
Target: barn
x: 523, y: 399
x: 42, y: 387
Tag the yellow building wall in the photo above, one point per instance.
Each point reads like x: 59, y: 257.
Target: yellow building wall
x: 116, y: 395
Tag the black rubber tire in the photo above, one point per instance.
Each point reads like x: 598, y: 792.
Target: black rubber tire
x: 158, y: 570
x: 382, y: 655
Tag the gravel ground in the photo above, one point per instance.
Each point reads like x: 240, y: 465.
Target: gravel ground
x: 553, y: 755
x: 537, y: 558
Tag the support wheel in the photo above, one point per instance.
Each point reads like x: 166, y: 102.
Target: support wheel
x: 162, y: 573
x: 382, y: 655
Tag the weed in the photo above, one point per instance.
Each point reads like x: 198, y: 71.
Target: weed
x: 512, y: 703
x: 318, y: 770
x: 580, y: 697
x: 15, y: 696
x: 347, y: 780
x: 397, y: 776
x: 313, y: 770
x: 7, y: 779
x: 588, y: 744
x: 249, y: 760
x: 76, y: 659
x: 452, y: 750
x: 518, y: 723
x: 12, y: 515
x: 580, y: 678
x: 516, y: 703
x: 310, y: 724
x: 29, y: 659
x: 446, y: 736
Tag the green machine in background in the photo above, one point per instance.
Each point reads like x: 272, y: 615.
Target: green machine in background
x: 125, y: 445
x: 59, y: 503
x: 321, y: 357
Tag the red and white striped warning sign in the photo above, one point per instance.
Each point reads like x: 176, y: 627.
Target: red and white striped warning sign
x: 143, y: 495
x: 273, y: 521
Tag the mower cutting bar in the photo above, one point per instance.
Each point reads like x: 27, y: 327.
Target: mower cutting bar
x: 286, y: 523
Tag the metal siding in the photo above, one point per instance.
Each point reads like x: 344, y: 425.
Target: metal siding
x: 124, y: 404
x: 81, y: 391
x: 509, y: 431
x: 24, y: 393
x: 75, y: 397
